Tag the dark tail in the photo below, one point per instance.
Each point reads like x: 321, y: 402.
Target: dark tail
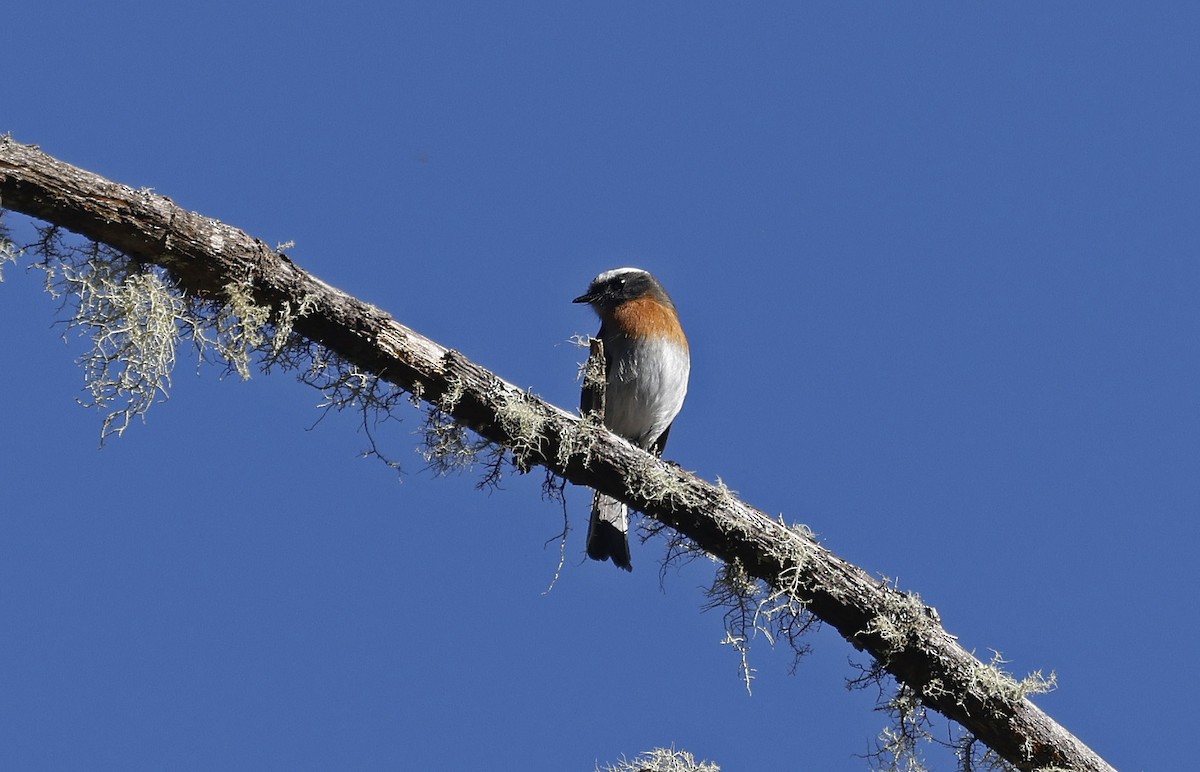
x: 608, y: 532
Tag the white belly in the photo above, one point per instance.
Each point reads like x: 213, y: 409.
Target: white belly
x: 647, y: 382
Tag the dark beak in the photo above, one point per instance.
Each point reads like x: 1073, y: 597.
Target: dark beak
x: 586, y: 297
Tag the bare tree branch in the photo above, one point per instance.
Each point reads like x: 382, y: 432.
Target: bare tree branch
x: 904, y: 636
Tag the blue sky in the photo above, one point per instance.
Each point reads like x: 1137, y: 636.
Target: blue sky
x: 938, y: 266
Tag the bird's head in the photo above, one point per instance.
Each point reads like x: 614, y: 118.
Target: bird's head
x: 620, y: 285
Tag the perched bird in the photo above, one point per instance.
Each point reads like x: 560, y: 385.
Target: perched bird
x: 647, y: 364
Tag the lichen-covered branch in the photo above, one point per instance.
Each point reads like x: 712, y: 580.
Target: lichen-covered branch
x: 205, y: 257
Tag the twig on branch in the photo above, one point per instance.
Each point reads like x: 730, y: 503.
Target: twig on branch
x: 204, y: 257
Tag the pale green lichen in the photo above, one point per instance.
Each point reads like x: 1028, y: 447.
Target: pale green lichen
x: 902, y: 618
x: 591, y: 370
x: 752, y: 609
x: 453, y: 394
x: 286, y: 321
x: 998, y: 684
x: 447, y: 447
x: 579, y: 439
x: 726, y: 496
x: 8, y: 251
x: 134, y: 320
x: 661, y: 760
x: 660, y: 483
x: 241, y: 328
x: 898, y: 747
x: 522, y: 419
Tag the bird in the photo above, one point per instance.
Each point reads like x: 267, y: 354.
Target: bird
x: 647, y: 363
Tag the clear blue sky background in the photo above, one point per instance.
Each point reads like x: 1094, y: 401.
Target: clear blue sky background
x: 939, y: 267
